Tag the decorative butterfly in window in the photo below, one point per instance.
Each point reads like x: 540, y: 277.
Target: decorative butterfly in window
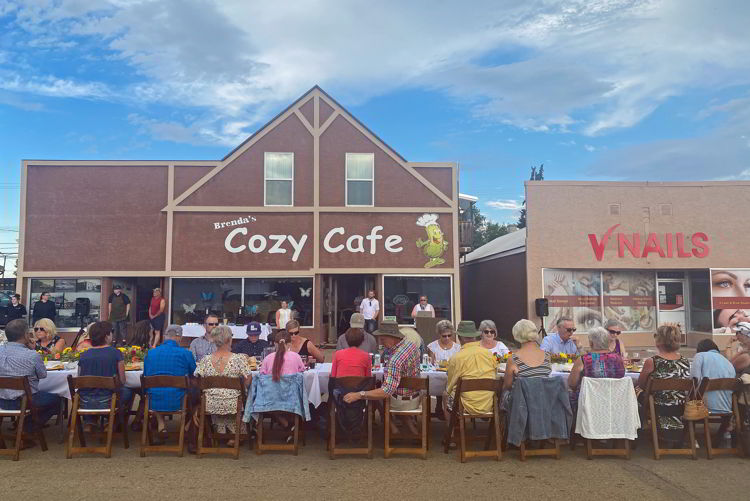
x: 305, y: 292
x: 271, y: 294
x: 251, y: 310
x: 207, y: 296
x: 189, y: 308
x: 291, y: 305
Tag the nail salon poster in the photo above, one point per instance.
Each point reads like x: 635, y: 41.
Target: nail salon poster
x: 730, y: 296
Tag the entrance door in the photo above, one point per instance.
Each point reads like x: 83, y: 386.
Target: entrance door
x: 341, y: 297
x: 672, y: 303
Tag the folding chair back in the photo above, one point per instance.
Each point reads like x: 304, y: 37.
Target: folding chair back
x: 421, y: 385
x: 669, y: 384
x: 151, y: 382
x: 75, y: 427
x: 459, y: 415
x: 724, y: 384
x: 25, y: 410
x: 297, y: 434
x: 352, y: 383
x: 228, y: 383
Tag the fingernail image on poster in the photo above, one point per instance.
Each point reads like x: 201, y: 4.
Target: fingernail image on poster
x: 730, y: 293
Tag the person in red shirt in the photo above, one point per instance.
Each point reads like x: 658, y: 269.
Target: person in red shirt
x: 352, y: 361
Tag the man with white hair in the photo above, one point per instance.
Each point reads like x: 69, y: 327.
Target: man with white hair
x: 561, y: 341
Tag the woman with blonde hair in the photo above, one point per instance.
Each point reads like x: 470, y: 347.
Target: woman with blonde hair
x: 46, y: 337
x: 529, y: 360
x: 668, y: 364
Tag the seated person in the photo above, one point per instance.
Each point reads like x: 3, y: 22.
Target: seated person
x: 616, y: 345
x: 561, y: 341
x: 301, y: 345
x: 16, y: 359
x: 401, y: 360
x: 352, y: 361
x: 83, y: 340
x: 222, y: 403
x: 669, y: 363
x: 369, y: 344
x: 489, y: 338
x: 528, y: 361
x: 102, y: 360
x: 444, y: 347
x: 46, y: 336
x: 282, y: 362
x: 168, y: 359
x: 598, y: 363
x: 738, y: 351
x: 253, y: 346
x: 709, y: 363
x: 473, y: 361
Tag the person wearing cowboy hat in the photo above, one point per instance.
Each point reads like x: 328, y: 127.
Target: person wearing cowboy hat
x: 401, y: 360
x: 473, y: 362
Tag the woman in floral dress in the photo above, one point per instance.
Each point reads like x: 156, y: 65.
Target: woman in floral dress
x: 222, y: 403
x: 668, y: 364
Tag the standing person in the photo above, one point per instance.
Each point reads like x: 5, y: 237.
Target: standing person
x: 44, y: 308
x: 119, y: 313
x: 16, y: 359
x: 423, y: 305
x: 370, y: 308
x: 402, y: 360
x: 202, y: 346
x: 561, y: 341
x: 283, y: 315
x: 16, y: 310
x: 444, y: 347
x: 253, y: 346
x: 156, y: 315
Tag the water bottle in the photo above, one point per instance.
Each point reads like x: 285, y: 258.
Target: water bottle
x: 377, y: 360
x: 425, y: 359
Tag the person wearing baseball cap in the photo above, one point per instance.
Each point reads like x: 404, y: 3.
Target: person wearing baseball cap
x: 253, y: 346
x: 119, y: 314
x: 401, y: 360
x: 357, y: 322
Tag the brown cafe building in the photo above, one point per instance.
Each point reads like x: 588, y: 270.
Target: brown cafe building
x: 313, y: 209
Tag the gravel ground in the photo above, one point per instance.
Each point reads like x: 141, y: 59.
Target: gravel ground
x: 312, y: 475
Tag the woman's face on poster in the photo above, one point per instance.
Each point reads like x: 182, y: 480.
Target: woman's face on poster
x: 730, y: 317
x: 730, y: 283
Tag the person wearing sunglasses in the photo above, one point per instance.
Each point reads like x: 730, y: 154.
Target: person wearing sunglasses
x: 561, y: 341
x: 489, y: 338
x: 202, y: 346
x: 444, y: 347
x: 616, y: 345
x: 46, y: 337
x: 423, y: 305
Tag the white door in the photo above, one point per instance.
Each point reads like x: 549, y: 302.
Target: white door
x: 672, y: 308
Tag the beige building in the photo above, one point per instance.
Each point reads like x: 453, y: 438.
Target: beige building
x: 641, y: 253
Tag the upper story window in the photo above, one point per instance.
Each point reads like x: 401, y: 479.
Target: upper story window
x: 278, y: 171
x: 360, y: 179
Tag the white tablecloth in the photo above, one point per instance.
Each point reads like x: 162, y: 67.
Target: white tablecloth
x: 238, y: 331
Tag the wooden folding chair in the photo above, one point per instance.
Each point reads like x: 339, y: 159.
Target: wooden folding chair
x: 725, y: 384
x: 415, y: 384
x: 673, y: 384
x: 365, y: 383
x: 222, y: 382
x: 149, y: 382
x: 113, y: 413
x: 297, y: 435
x: 459, y: 416
x: 26, y: 410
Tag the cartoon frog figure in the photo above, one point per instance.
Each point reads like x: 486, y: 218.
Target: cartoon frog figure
x: 434, y: 247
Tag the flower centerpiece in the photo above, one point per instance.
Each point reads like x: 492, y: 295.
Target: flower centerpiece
x: 134, y: 356
x: 501, y: 360
x: 562, y: 362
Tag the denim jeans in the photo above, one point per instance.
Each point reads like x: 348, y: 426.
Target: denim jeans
x: 103, y: 401
x: 46, y: 404
x: 371, y: 325
x: 121, y: 330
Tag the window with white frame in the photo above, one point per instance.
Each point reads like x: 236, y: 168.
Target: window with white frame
x: 360, y: 179
x: 278, y: 175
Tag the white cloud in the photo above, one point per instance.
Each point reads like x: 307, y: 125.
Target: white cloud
x: 504, y: 204
x: 580, y: 65
x: 589, y: 148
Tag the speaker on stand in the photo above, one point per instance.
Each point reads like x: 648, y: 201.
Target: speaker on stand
x: 541, y: 305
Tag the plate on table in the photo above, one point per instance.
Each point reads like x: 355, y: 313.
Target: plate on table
x: 134, y: 366
x: 54, y: 366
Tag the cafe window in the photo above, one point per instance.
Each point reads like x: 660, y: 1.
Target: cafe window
x: 263, y: 296
x: 279, y: 179
x: 77, y: 301
x: 194, y: 298
x: 401, y: 294
x: 360, y: 175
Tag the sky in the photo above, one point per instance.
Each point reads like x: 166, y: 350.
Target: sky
x: 639, y: 90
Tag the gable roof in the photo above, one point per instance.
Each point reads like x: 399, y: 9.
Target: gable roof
x: 506, y: 245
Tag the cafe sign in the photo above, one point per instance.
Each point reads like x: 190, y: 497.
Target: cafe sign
x: 665, y: 245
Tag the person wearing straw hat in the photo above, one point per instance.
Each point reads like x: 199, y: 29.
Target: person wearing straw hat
x: 401, y: 360
x: 473, y: 362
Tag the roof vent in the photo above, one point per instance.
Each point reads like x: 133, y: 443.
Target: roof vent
x: 666, y: 209
x: 614, y: 209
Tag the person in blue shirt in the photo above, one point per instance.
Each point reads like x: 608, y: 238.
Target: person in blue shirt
x: 168, y: 359
x: 561, y: 341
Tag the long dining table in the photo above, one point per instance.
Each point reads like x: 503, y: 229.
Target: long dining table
x: 316, y: 381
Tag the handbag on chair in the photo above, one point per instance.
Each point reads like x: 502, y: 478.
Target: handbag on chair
x: 695, y: 408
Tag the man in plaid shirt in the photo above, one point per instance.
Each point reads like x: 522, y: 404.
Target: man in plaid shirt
x: 402, y: 360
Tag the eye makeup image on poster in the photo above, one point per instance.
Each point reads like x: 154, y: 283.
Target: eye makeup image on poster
x: 575, y: 294
x: 730, y: 291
